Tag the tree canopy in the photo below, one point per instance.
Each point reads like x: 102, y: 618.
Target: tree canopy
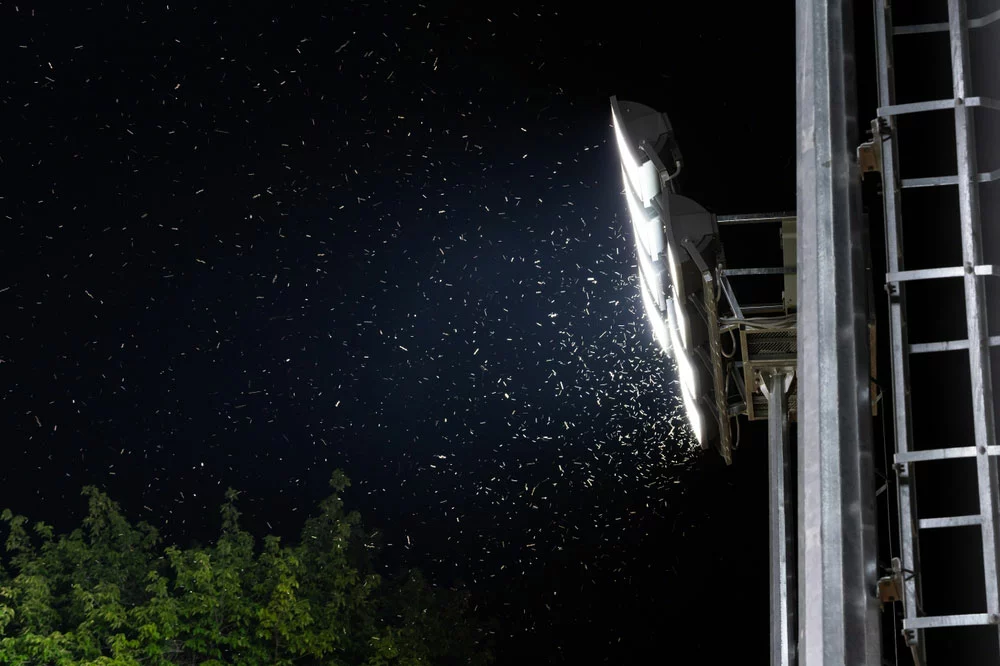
x: 109, y: 594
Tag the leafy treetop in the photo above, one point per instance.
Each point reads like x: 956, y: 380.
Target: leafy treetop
x: 109, y: 594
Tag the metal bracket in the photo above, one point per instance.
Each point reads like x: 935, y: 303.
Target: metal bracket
x: 763, y: 384
x: 661, y: 169
x: 890, y: 588
x: 870, y: 152
x: 715, y: 347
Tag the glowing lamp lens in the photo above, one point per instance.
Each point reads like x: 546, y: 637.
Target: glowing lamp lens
x: 628, y: 158
x: 694, y: 415
x: 681, y: 317
x: 647, y: 225
x: 688, y: 377
x: 642, y: 176
x: 660, y: 331
x: 685, y: 370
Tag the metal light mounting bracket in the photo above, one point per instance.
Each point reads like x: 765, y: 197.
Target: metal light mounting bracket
x: 870, y: 152
x: 675, y: 154
x: 764, y: 378
x: 890, y: 587
x: 715, y: 348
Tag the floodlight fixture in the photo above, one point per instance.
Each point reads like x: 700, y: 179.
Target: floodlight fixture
x: 686, y: 294
x: 667, y: 227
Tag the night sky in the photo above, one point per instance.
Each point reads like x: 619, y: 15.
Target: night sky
x: 244, y: 245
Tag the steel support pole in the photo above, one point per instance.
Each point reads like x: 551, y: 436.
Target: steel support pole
x: 782, y: 525
x: 899, y: 343
x: 838, y: 611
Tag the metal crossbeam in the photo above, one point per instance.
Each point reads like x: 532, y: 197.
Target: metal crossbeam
x: 949, y: 345
x: 937, y: 105
x: 936, y: 181
x: 915, y: 107
x: 768, y: 308
x: 937, y: 621
x: 950, y: 521
x: 752, y: 218
x: 939, y: 273
x: 768, y: 270
x: 943, y: 27
x: 727, y: 291
x: 950, y: 453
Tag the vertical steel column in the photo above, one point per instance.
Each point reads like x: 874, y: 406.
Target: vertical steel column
x: 899, y: 343
x: 975, y: 301
x: 838, y: 612
x: 782, y: 488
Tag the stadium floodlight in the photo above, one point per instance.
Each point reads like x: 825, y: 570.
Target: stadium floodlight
x: 685, y: 286
x: 724, y: 351
x: 731, y: 359
x: 667, y: 227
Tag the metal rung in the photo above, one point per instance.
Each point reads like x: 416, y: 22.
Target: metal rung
x: 950, y: 345
x: 938, y: 273
x: 950, y: 521
x: 932, y: 622
x: 915, y: 107
x: 943, y: 454
x: 937, y: 181
x: 936, y: 105
x: 943, y: 27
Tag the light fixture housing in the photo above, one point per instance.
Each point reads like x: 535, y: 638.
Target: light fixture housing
x: 687, y: 223
x: 657, y: 318
x: 667, y: 227
x: 695, y: 382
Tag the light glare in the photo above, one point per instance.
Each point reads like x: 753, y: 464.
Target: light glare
x: 689, y: 380
x: 652, y: 277
x: 682, y: 324
x: 643, y: 177
x: 648, y: 229
x: 655, y: 319
x: 684, y: 368
x: 695, y: 417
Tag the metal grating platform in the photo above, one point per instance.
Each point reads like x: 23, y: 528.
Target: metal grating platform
x: 778, y: 344
x: 764, y: 351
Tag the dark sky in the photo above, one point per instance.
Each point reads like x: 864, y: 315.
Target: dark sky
x: 244, y: 245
